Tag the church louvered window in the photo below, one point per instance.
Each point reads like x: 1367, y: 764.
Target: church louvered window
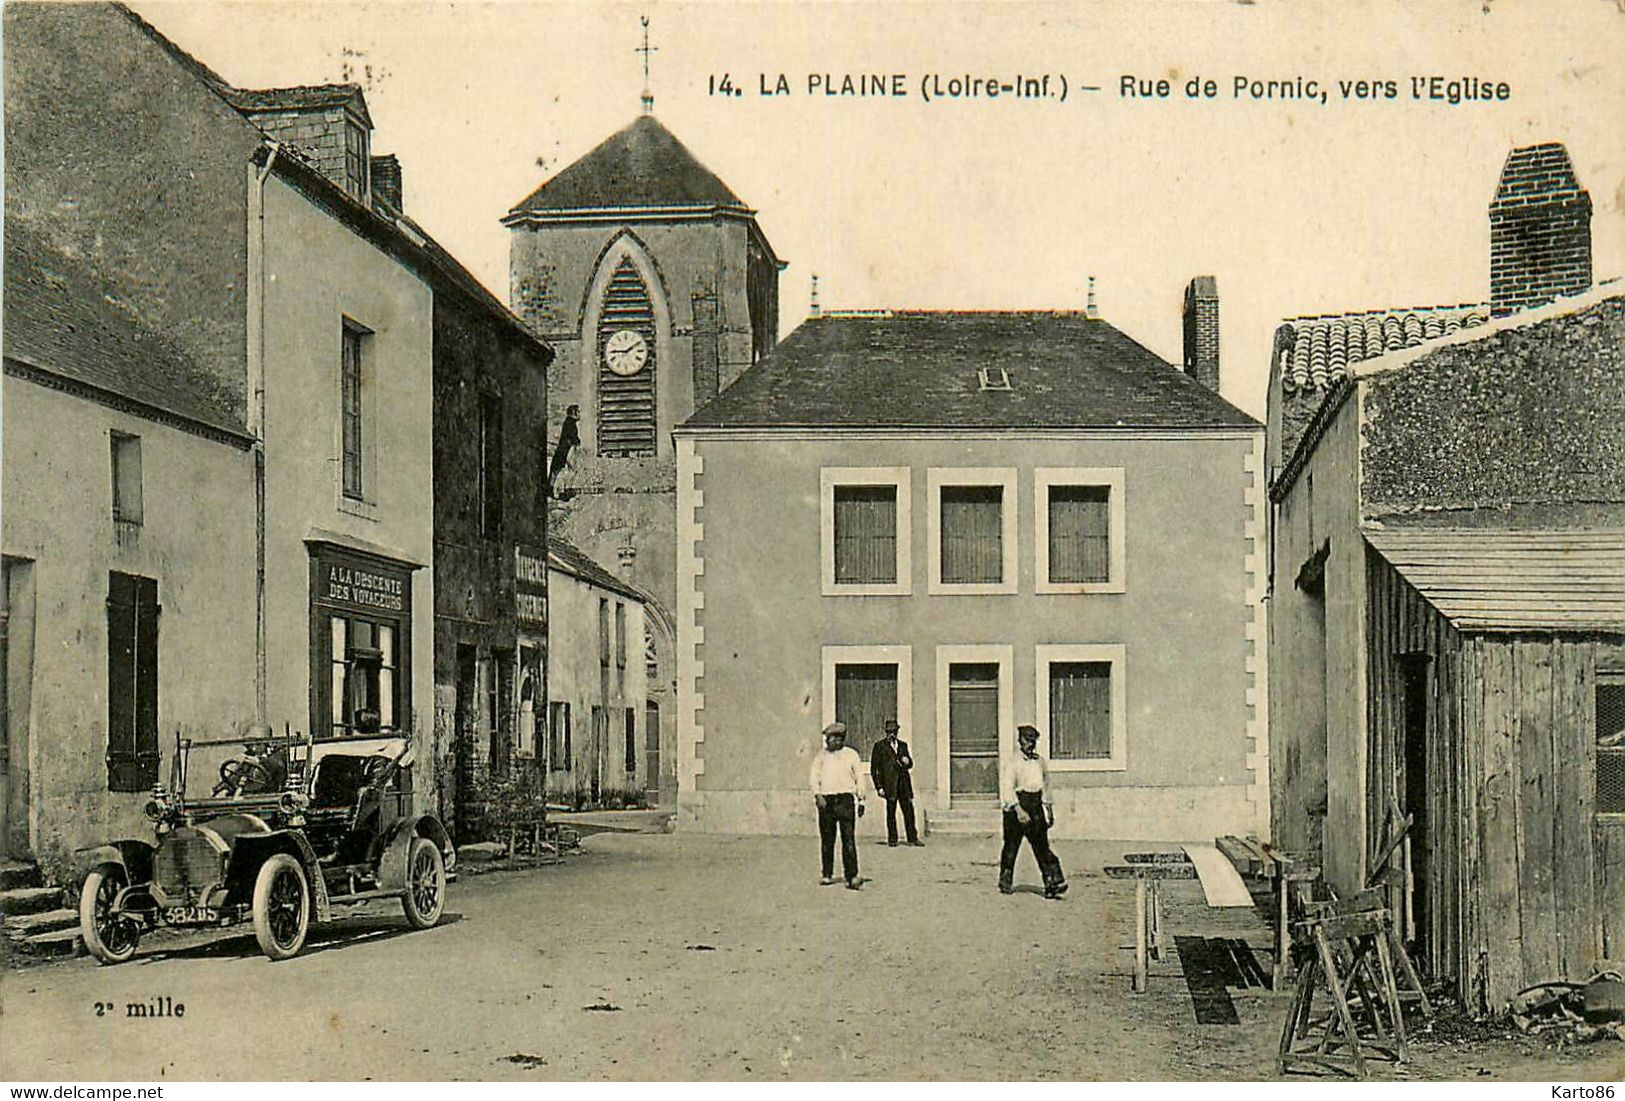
x: 626, y: 366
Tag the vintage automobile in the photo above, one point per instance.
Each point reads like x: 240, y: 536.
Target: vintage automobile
x: 290, y: 828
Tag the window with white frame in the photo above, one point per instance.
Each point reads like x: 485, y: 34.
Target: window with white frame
x: 1082, y: 706
x: 863, y: 687
x: 1078, y: 533
x: 865, y: 531
x: 972, y: 530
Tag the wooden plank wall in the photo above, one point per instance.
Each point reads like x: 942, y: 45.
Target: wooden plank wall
x: 1401, y: 623
x: 1523, y: 878
x: 1538, y: 910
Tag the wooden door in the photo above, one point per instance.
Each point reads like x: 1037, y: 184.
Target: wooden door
x: 651, y: 752
x: 1419, y: 845
x: 973, y: 731
x: 467, y: 810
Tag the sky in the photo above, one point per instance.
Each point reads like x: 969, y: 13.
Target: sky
x: 1295, y: 205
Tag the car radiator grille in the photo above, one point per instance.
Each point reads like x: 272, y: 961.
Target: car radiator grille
x: 187, y: 862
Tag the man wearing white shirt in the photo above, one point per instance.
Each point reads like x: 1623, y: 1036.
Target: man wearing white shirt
x: 837, y: 789
x: 1028, y: 812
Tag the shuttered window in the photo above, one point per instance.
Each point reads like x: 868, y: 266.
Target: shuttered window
x: 626, y: 402
x: 620, y: 647
x: 865, y: 534
x: 972, y: 525
x: 631, y: 741
x: 865, y: 697
x: 489, y: 487
x: 1610, y: 743
x: 1079, y: 534
x: 1080, y: 710
x: 558, y: 736
x: 501, y: 714
x: 132, y: 682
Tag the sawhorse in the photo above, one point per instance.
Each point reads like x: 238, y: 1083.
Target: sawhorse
x: 1149, y: 871
x: 1347, y: 945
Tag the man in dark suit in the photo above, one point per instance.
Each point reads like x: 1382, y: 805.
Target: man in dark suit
x: 889, y: 765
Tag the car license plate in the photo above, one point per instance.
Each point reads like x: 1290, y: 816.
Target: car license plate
x: 191, y: 915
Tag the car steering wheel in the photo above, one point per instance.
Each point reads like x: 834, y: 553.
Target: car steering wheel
x: 237, y: 774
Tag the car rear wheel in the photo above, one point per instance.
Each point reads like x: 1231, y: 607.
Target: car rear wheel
x: 281, y: 907
x: 110, y: 938
x: 425, y: 894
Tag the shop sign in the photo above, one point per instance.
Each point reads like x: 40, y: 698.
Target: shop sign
x: 363, y: 588
x: 530, y: 588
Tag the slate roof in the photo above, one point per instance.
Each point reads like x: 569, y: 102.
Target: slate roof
x: 918, y: 368
x: 300, y: 97
x: 64, y: 318
x: 642, y: 165
x: 1320, y: 349
x: 1501, y: 580
x: 568, y: 558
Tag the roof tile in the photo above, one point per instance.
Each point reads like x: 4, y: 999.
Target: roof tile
x: 915, y: 368
x: 1324, y: 347
x: 641, y: 165
x: 65, y: 318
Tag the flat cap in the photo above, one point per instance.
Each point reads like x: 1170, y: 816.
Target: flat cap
x: 1026, y: 731
x: 835, y: 728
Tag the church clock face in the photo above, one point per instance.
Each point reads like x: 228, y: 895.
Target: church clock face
x: 625, y: 352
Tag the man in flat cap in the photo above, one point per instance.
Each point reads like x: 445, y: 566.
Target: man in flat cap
x: 837, y: 790
x: 1024, y: 795
x: 889, y: 765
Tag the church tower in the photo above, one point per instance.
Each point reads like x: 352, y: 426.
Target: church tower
x: 656, y: 287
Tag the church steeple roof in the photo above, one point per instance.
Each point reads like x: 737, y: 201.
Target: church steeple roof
x: 641, y: 166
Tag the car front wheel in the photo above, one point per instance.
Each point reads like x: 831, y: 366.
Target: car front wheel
x: 425, y: 894
x: 109, y: 937
x: 281, y: 907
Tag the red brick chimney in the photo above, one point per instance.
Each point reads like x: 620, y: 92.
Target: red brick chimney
x: 1202, y: 331
x: 1540, y: 231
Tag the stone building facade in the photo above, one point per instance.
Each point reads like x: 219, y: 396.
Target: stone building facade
x: 657, y: 288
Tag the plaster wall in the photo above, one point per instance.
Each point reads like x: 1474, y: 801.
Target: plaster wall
x: 318, y: 273
x: 574, y: 678
x: 753, y: 633
x: 196, y: 539
x: 1317, y: 658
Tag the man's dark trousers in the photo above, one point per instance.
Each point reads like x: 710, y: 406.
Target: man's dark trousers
x: 907, y: 801
x: 839, y: 811
x: 1036, y: 831
x: 892, y: 778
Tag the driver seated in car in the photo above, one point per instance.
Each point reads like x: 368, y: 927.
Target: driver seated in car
x: 262, y: 770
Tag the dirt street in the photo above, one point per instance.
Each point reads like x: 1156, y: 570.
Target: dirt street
x: 691, y: 957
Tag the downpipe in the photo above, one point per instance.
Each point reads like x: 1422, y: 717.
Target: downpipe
x: 256, y: 414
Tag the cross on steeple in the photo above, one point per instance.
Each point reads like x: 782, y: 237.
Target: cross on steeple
x: 646, y: 50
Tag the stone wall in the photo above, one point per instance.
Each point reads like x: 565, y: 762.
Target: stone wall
x: 119, y: 155
x: 1530, y: 416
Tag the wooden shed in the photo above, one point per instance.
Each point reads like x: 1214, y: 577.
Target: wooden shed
x: 1495, y: 675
